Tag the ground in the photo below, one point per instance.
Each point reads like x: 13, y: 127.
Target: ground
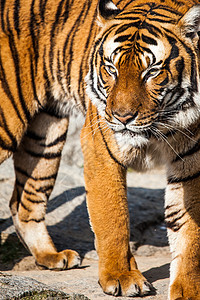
x: 68, y: 224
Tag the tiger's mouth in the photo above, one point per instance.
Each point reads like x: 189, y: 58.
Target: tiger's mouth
x: 145, y: 133
x: 134, y: 137
x: 140, y: 135
x: 128, y: 138
x: 130, y: 129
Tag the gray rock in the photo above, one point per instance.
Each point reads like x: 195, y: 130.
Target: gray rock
x: 19, y: 287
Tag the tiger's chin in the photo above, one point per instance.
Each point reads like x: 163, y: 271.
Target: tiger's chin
x: 127, y: 139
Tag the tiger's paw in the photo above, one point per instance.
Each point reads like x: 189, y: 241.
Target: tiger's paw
x: 185, y: 290
x: 129, y: 284
x: 65, y: 259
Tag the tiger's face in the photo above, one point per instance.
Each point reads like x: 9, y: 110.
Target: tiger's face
x: 144, y: 76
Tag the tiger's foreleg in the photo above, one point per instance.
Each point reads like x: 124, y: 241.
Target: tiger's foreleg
x: 105, y: 180
x: 183, y: 221
x: 36, y: 165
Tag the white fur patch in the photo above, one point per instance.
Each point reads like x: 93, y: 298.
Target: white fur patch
x: 95, y: 100
x: 111, y: 6
x: 124, y: 141
x: 63, y: 104
x: 191, y: 18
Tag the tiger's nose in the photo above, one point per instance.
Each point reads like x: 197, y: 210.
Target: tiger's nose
x: 125, y: 118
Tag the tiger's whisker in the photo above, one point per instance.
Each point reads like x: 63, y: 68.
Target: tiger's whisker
x: 172, y: 128
x: 165, y: 139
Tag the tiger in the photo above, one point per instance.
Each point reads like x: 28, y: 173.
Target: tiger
x: 132, y: 68
x: 144, y: 87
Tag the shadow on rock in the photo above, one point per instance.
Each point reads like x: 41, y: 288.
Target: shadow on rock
x: 146, y: 208
x: 68, y: 221
x: 11, y: 252
x: 73, y: 231
x: 157, y: 273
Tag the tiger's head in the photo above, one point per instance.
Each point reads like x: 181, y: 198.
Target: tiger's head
x: 144, y: 69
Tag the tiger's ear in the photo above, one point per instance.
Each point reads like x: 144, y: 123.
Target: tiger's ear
x: 107, y: 10
x: 190, y: 23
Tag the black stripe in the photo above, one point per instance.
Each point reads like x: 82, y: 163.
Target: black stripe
x: 174, y: 227
x: 50, y: 110
x: 34, y: 31
x: 171, y: 21
x: 151, y: 27
x: 169, y: 206
x: 16, y: 61
x: 107, y: 147
x: 33, y: 220
x: 139, y: 12
x: 44, y: 155
x: 71, y: 52
x: 42, y: 8
x: 171, y: 10
x: 16, y: 17
x: 189, y: 152
x: 176, y: 93
x: 177, y: 218
x: 52, y: 34
x: 6, y: 88
x: 46, y: 78
x: 172, y: 214
x: 74, y: 27
x: 44, y: 189
x: 127, y: 4
x: 148, y: 40
x: 23, y: 172
x: 18, y: 196
x: 2, y: 3
x: 148, y: 51
x: 9, y: 133
x: 173, y: 179
x: 174, y: 51
x: 5, y: 146
x: 193, y: 75
x: 66, y: 12
x: 61, y: 138
x: 165, y: 81
x: 124, y: 27
x: 32, y: 135
x: 17, y: 182
x: 33, y: 83
x: 29, y: 193
x: 84, y: 62
x: 152, y: 30
x: 162, y: 15
x: 35, y: 201
x: 122, y: 38
x: 25, y: 207
x: 59, y: 71
x: 98, y: 44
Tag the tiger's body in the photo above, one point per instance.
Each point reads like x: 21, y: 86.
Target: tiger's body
x: 41, y: 81
x: 141, y: 65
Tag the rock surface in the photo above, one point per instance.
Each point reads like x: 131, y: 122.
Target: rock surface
x: 68, y: 224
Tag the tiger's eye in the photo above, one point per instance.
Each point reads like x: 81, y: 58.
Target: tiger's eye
x: 111, y: 70
x: 151, y: 73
